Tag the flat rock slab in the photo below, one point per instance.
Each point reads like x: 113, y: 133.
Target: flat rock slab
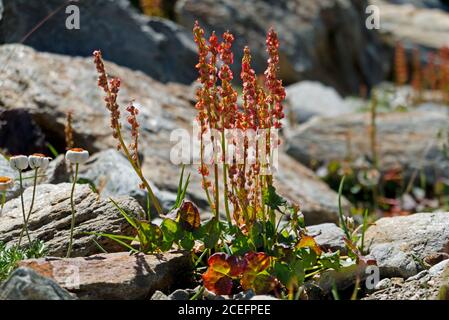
x: 115, y: 275
x: 400, y: 244
x: 407, y: 140
x: 26, y: 284
x: 51, y: 218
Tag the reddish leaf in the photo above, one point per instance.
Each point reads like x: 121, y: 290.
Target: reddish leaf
x: 257, y: 262
x: 189, y: 216
x: 253, y: 278
x: 217, y: 282
x: 309, y: 242
x: 222, y: 268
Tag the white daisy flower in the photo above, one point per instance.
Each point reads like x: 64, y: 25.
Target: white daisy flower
x: 38, y: 160
x: 6, y: 183
x: 19, y: 163
x: 77, y: 155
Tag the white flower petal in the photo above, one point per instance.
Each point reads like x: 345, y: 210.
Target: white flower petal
x: 19, y: 163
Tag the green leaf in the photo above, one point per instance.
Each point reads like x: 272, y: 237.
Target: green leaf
x: 170, y: 230
x: 282, y: 272
x: 331, y: 260
x: 116, y: 238
x: 187, y: 242
x: 211, y: 233
x: 256, y: 234
x: 90, y: 183
x: 128, y: 218
x: 272, y: 199
x: 182, y: 189
x: 52, y: 149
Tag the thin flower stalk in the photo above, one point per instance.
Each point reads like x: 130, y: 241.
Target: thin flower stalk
x: 20, y: 163
x: 36, y: 161
x: 111, y: 90
x: 75, y: 156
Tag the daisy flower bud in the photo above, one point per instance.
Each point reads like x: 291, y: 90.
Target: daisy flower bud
x: 19, y: 163
x: 6, y: 183
x: 77, y: 155
x: 38, y: 160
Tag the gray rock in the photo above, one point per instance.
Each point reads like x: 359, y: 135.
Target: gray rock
x: 180, y: 294
x: 158, y: 295
x: 113, y: 176
x: 115, y: 275
x: 57, y: 172
x: 26, y: 284
x: 329, y: 236
x: 307, y: 99
x: 400, y: 244
x: 324, y: 40
x: 427, y: 285
x: 408, y: 24
x: 155, y: 46
x: 163, y: 108
x: 51, y: 217
x: 408, y: 140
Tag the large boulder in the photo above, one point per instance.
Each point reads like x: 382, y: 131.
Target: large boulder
x: 51, y: 218
x: 155, y: 46
x: 410, y: 25
x: 43, y: 84
x: 307, y: 99
x: 407, y: 140
x: 323, y: 40
x: 117, y: 276
x: 403, y: 246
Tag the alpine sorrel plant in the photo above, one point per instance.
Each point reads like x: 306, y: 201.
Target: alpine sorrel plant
x: 253, y: 249
x: 111, y: 89
x: 261, y: 112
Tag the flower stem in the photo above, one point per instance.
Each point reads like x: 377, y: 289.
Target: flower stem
x: 32, y: 200
x: 225, y: 178
x: 25, y: 227
x: 138, y: 170
x: 3, y: 201
x: 72, y: 205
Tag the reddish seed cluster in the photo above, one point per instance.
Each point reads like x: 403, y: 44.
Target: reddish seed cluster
x: 132, y: 120
x: 111, y: 91
x: 400, y: 65
x: 276, y: 90
x: 434, y: 75
x: 218, y: 110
